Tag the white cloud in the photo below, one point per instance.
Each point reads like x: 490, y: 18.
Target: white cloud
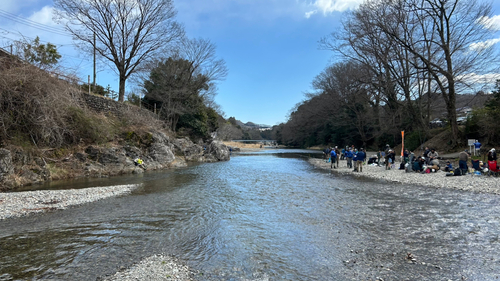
x: 492, y: 23
x: 479, y: 46
x: 330, y: 6
x: 478, y: 79
x: 309, y: 14
x: 43, y: 16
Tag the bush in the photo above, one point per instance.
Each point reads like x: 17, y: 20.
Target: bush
x: 33, y: 106
x: 89, y: 127
x: 40, y: 110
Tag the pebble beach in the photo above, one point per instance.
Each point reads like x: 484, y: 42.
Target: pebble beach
x: 16, y: 204
x: 471, y: 182
x: 156, y: 267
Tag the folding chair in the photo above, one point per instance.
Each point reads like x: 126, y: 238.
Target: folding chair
x: 475, y: 165
x: 493, y: 168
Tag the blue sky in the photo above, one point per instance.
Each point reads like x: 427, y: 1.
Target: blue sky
x: 270, y: 47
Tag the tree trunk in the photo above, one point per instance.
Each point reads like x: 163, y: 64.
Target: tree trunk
x: 121, y: 91
x: 452, y: 113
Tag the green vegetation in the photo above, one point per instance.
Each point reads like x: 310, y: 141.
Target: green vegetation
x: 175, y: 87
x: 41, y: 55
x: 90, y: 128
x: 483, y: 122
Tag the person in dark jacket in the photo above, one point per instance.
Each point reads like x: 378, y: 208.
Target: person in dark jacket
x: 359, y: 161
x: 492, y: 155
x: 406, y: 156
x: 418, y: 165
x: 333, y: 158
x: 348, y: 156
x: 337, y: 151
x: 426, y: 152
x: 326, y: 153
x: 463, y: 157
x: 354, y: 159
x: 390, y: 159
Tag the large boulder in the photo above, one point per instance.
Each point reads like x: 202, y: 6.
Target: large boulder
x: 186, y: 148
x: 216, y: 151
x: 113, y: 161
x: 161, y: 153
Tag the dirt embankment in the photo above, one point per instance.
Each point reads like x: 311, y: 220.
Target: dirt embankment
x: 244, y: 146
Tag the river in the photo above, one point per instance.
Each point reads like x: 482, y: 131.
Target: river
x: 262, y: 216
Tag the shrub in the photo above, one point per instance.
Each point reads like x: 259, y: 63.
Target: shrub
x: 33, y: 104
x: 89, y: 127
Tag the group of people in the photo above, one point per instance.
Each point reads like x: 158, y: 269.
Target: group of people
x: 491, y: 165
x: 350, y: 154
x: 426, y: 163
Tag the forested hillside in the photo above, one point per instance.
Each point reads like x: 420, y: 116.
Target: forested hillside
x: 398, y: 66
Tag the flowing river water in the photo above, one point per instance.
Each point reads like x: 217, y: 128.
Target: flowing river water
x: 262, y: 216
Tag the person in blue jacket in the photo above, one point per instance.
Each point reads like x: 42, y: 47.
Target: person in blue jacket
x: 359, y: 161
x: 348, y: 156
x: 354, y: 158
x: 333, y: 158
x: 477, y: 148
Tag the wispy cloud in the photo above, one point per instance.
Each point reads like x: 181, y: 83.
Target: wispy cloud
x: 309, y: 14
x: 479, y: 46
x: 43, y: 16
x: 492, y: 23
x: 478, y: 79
x: 329, y: 6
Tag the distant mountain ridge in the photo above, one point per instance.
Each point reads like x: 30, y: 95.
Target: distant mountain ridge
x: 251, y: 125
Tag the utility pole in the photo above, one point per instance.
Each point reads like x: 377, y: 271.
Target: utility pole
x: 93, y: 83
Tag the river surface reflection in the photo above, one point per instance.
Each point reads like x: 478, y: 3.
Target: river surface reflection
x: 262, y: 216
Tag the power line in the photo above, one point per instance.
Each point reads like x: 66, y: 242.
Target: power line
x: 70, y: 58
x: 29, y: 37
x: 33, y: 24
x: 19, y: 18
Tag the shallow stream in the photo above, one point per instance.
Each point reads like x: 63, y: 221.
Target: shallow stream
x: 262, y: 216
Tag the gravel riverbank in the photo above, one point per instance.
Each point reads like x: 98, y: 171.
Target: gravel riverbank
x: 16, y: 204
x: 474, y: 183
x: 157, y: 267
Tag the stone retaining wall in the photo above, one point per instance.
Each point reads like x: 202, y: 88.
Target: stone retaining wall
x: 109, y: 106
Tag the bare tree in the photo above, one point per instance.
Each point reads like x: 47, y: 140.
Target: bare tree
x: 443, y: 35
x: 202, y: 55
x: 126, y: 33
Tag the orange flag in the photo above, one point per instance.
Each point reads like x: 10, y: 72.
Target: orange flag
x: 402, y: 142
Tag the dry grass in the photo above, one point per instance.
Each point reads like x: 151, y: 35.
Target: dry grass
x: 242, y: 145
x: 41, y: 110
x: 33, y: 106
